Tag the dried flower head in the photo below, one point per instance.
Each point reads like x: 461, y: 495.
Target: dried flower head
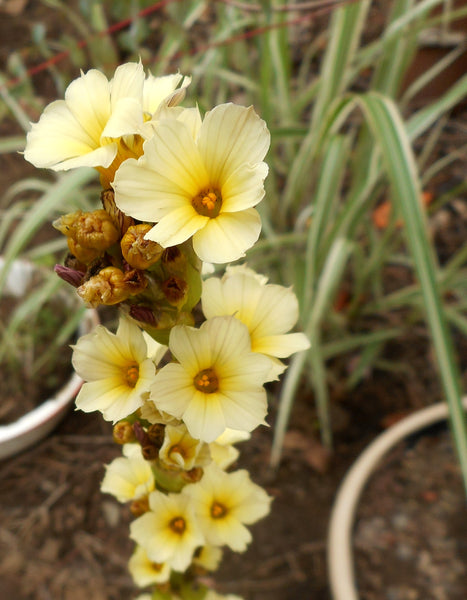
x: 112, y: 286
x: 139, y: 252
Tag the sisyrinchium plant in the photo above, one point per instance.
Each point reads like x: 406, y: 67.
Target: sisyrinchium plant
x: 182, y: 378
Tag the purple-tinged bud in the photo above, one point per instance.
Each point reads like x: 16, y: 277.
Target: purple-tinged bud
x: 143, y: 314
x: 71, y: 276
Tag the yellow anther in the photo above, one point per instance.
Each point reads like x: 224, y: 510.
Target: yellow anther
x: 206, y: 381
x: 132, y: 375
x: 218, y: 510
x: 208, y: 203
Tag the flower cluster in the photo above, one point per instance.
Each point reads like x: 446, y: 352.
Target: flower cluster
x: 182, y: 378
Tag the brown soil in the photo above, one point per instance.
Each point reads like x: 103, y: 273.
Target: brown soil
x: 407, y: 496
x: 60, y: 538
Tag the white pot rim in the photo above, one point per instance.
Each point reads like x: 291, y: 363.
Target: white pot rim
x: 37, y: 423
x: 340, y: 549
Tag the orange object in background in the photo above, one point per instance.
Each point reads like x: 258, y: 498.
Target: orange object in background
x: 382, y: 213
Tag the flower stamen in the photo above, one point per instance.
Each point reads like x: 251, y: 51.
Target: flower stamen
x: 208, y: 203
x: 218, y: 510
x: 131, y: 375
x: 206, y: 381
x: 178, y: 525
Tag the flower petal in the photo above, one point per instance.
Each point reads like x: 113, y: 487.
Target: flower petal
x: 281, y: 345
x: 127, y: 82
x: 244, y: 410
x: 177, y: 226
x: 204, y: 416
x: 228, y: 338
x: 244, y: 188
x: 126, y: 118
x: 230, y: 136
x: 276, y: 311
x: 99, y: 395
x: 157, y: 89
x: 88, y: 98
x: 227, y: 237
x: 172, y: 390
x: 173, y: 155
x: 58, y: 141
x: 138, y: 190
x: 191, y: 348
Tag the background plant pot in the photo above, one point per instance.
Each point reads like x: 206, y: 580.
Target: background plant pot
x: 37, y: 423
x: 340, y: 548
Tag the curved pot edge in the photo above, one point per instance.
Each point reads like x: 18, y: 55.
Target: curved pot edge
x: 339, y: 548
x: 38, y: 423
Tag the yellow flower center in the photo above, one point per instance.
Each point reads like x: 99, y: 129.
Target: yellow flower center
x: 157, y: 567
x: 131, y: 375
x: 206, y: 381
x: 178, y: 525
x: 218, y: 510
x: 208, y: 203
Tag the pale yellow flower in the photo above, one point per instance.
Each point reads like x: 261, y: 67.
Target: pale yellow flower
x: 182, y: 452
x: 146, y: 572
x: 268, y: 310
x: 150, y: 413
x: 83, y: 130
x: 128, y: 477
x: 169, y: 531
x: 222, y: 450
x: 200, y: 182
x: 224, y: 503
x: 118, y: 369
x: 217, y: 381
x: 208, y: 557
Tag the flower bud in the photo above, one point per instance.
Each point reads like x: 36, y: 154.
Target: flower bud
x: 149, y: 452
x: 111, y: 286
x: 84, y: 255
x: 143, y: 314
x: 94, y: 229
x: 193, y: 475
x: 120, y: 219
x: 140, y: 506
x: 175, y: 290
x: 123, y: 433
x: 137, y: 251
x: 71, y: 276
x: 174, y: 259
x: 156, y: 434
